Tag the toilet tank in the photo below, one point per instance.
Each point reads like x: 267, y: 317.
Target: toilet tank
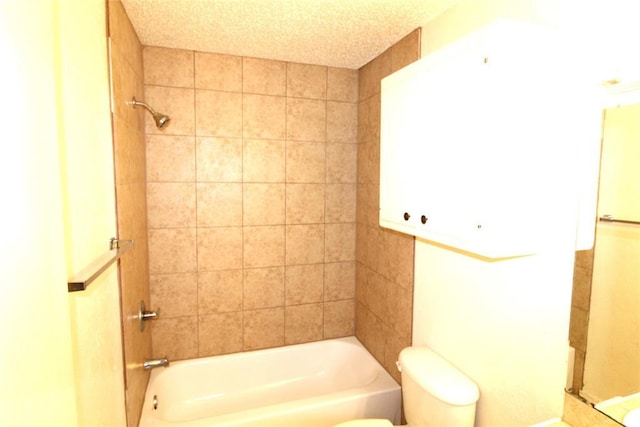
x: 434, y: 392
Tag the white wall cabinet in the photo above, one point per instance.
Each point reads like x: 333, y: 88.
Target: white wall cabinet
x: 479, y: 143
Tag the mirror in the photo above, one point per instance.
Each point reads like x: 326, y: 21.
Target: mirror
x: 605, y: 317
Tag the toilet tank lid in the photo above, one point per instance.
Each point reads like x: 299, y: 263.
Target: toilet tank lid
x: 438, y: 377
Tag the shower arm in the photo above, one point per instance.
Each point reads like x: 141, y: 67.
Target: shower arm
x: 135, y: 103
x: 161, y: 119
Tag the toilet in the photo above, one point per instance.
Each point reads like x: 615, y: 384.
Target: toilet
x: 434, y: 393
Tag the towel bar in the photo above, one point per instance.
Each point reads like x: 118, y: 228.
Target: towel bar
x: 610, y: 218
x: 81, y: 281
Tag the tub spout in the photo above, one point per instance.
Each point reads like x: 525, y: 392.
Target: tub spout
x: 155, y: 363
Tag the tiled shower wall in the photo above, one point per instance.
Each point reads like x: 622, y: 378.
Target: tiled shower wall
x: 251, y: 195
x: 384, y: 284
x: 580, y: 306
x: 129, y: 163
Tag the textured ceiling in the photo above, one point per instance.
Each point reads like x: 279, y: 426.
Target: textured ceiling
x: 338, y: 33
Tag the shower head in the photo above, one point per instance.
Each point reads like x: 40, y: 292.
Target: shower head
x: 162, y: 120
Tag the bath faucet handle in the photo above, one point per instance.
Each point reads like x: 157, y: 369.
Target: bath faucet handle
x: 144, y: 315
x: 148, y: 315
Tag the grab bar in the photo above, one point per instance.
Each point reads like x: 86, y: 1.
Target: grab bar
x: 83, y: 279
x: 610, y: 218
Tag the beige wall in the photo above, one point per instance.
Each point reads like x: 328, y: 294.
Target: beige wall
x: 89, y: 207
x: 36, y: 360
x: 61, y: 355
x: 595, y: 47
x: 251, y: 202
x: 130, y: 177
x: 384, y: 274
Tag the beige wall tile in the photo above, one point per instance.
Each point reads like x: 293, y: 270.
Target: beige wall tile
x: 398, y: 262
x: 340, y: 242
x: 175, y: 338
x: 369, y: 120
x: 342, y: 84
x: 362, y: 280
x: 129, y: 166
x: 175, y: 294
x: 219, y: 248
x: 340, y: 203
x: 177, y: 103
x: 131, y: 210
x: 219, y: 333
x: 126, y: 85
x: 264, y: 246
x: 341, y: 163
x: 577, y: 413
x: 305, y: 203
x: 578, y: 328
x: 218, y: 72
x: 248, y: 182
x: 384, y: 272
x: 306, y: 81
x: 585, y: 258
x: 339, y: 319
x: 263, y: 328
x: 263, y: 160
x: 170, y: 158
x: 168, y: 67
x: 264, y: 76
x: 303, y: 323
x: 305, y: 162
x: 361, y: 322
x: 380, y: 292
x: 402, y: 321
x: 377, y: 333
x: 219, y: 204
x: 392, y: 348
x: 128, y: 151
x: 172, y: 250
x: 342, y: 122
x: 263, y: 117
x: 376, y: 241
x: 581, y: 296
x: 306, y: 119
x: 219, y: 291
x: 263, y: 204
x: 371, y: 74
x: 218, y: 113
x: 305, y: 244
x: 123, y: 35
x: 404, y: 52
x: 304, y: 284
x: 219, y: 160
x: 339, y: 280
x: 263, y: 288
x: 171, y: 205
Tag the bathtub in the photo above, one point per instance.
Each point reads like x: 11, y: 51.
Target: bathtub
x: 306, y: 385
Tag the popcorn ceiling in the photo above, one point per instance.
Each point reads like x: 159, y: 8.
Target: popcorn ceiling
x: 337, y: 33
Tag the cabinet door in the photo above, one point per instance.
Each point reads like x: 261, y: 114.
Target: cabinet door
x: 477, y: 146
x: 449, y: 152
x: 400, y: 112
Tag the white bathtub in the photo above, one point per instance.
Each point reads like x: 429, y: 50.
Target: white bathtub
x: 307, y: 385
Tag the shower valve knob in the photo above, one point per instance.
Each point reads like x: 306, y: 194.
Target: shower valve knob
x: 144, y: 315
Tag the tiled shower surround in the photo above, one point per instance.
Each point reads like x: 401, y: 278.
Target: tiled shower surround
x: 251, y: 202
x: 129, y: 162
x: 384, y: 285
